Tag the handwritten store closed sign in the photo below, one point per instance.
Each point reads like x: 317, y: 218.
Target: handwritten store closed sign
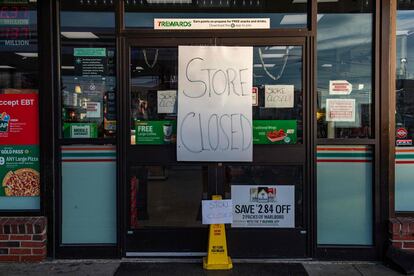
x: 214, y: 103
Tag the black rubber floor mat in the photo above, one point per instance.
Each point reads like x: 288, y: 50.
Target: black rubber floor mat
x: 184, y: 269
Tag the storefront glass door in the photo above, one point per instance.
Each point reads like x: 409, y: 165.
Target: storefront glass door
x: 163, y: 196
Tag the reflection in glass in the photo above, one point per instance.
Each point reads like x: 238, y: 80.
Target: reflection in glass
x: 154, y: 80
x: 166, y: 196
x: 273, y: 67
x: 281, y: 13
x: 88, y: 83
x: 404, y: 118
x: 345, y: 60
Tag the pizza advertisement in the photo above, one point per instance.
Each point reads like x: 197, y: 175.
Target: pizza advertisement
x: 19, y: 171
x: 19, y: 145
x: 274, y: 132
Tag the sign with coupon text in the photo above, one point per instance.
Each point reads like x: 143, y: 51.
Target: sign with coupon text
x: 214, y: 103
x: 217, y: 211
x: 260, y: 206
x: 340, y: 110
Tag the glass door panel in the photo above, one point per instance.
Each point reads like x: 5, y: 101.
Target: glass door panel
x: 163, y: 196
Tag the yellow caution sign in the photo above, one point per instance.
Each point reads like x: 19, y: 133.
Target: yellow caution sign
x: 217, y: 258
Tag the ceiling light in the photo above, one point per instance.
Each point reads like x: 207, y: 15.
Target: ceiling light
x: 296, y: 19
x: 169, y: 1
x: 273, y: 55
x: 6, y: 67
x: 403, y: 32
x: 26, y: 55
x: 67, y: 67
x: 261, y: 65
x: 327, y: 65
x: 277, y: 48
x: 319, y: 1
x: 79, y: 35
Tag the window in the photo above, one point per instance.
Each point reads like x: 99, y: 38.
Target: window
x: 19, y: 126
x: 88, y: 70
x: 153, y: 86
x: 345, y: 110
x: 404, y: 159
x: 345, y: 70
x: 88, y: 111
x: 188, y: 14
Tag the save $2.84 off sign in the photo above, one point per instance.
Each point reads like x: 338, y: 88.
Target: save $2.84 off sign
x: 263, y: 206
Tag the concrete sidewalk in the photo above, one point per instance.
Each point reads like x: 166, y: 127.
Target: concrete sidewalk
x: 108, y: 267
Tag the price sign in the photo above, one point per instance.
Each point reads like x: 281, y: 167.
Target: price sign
x: 15, y: 25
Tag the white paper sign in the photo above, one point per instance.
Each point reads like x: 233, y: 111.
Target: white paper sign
x: 340, y: 110
x: 263, y: 206
x: 217, y: 211
x: 340, y: 87
x: 214, y: 103
x: 167, y: 101
x: 279, y: 96
x: 210, y: 23
x: 93, y: 110
x: 255, y: 96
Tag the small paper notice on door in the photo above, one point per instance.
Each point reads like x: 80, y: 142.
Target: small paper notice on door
x: 279, y: 96
x: 217, y: 211
x: 255, y: 96
x: 93, y: 110
x: 167, y: 101
x: 340, y: 110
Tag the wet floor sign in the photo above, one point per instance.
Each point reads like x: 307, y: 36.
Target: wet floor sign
x: 217, y: 258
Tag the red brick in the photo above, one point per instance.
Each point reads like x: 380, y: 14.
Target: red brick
x: 408, y: 245
x: 397, y: 244
x: 29, y: 228
x: 14, y: 229
x: 403, y: 238
x: 9, y: 258
x: 9, y: 244
x: 32, y: 244
x: 20, y: 251
x: 39, y: 251
x: 40, y: 237
x: 20, y: 237
x: 394, y: 226
x: 4, y: 237
x: 38, y: 258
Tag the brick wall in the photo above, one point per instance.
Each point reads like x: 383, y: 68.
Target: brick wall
x: 402, y: 233
x: 22, y: 239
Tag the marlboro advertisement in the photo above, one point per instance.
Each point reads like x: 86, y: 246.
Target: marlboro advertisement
x: 19, y: 140
x: 269, y: 206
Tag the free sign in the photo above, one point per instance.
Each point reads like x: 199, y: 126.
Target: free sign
x: 339, y: 87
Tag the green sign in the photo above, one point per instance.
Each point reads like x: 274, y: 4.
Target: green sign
x: 19, y: 171
x: 80, y: 130
x: 89, y: 52
x: 155, y: 132
x: 274, y: 132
